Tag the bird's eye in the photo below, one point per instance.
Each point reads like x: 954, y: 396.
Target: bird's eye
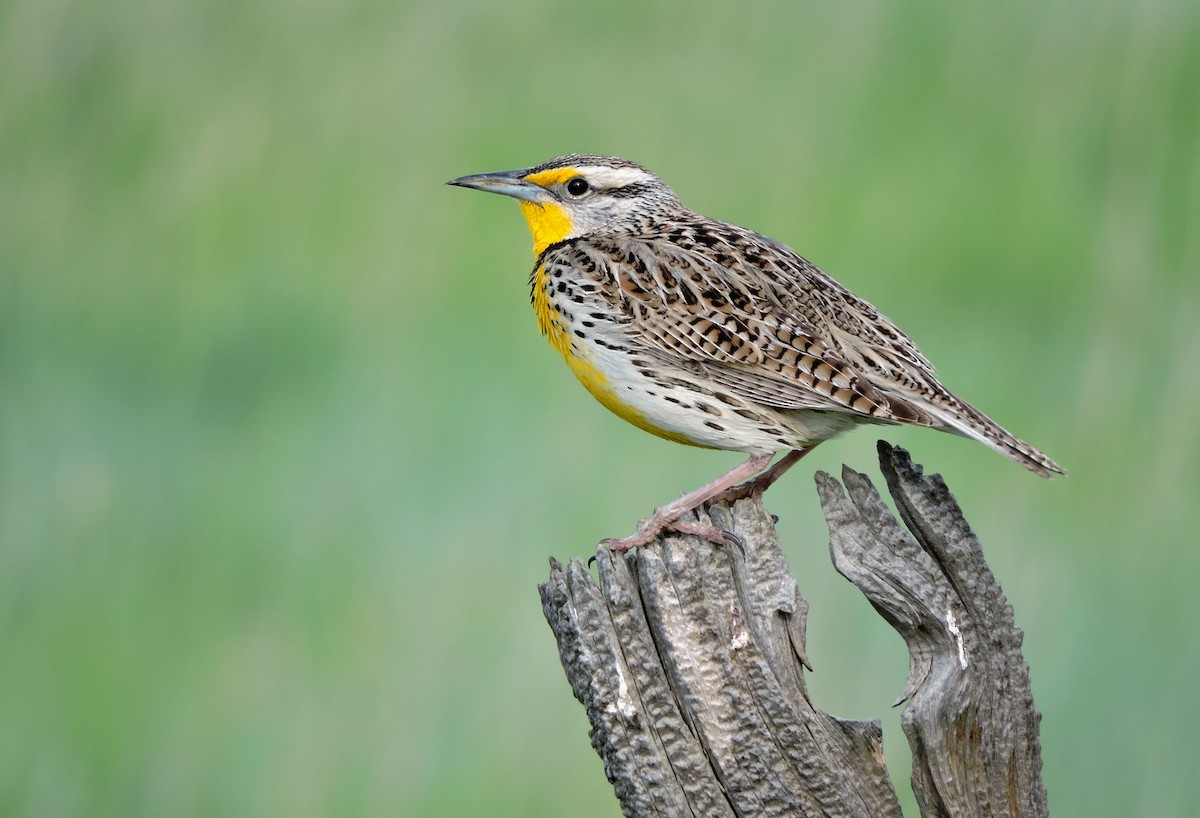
x: 577, y: 186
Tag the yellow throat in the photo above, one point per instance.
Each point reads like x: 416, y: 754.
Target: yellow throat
x: 548, y: 223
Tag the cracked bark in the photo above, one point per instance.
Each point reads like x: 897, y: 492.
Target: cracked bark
x: 689, y: 660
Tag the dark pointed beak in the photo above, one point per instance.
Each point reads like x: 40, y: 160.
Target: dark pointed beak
x: 507, y: 183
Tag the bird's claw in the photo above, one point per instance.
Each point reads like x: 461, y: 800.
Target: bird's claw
x: 647, y: 534
x: 708, y: 531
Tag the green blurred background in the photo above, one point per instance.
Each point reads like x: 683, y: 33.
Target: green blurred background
x: 282, y: 455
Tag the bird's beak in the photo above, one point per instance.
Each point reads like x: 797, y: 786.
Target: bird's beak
x: 507, y: 182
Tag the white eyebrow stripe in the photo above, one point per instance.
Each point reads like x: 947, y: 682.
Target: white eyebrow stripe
x: 605, y: 177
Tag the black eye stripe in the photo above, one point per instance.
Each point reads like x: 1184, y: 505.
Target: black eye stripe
x: 629, y: 191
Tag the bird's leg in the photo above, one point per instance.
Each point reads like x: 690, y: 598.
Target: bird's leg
x: 753, y: 487
x: 666, y: 516
x: 763, y: 481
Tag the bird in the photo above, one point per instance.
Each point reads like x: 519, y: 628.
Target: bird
x: 706, y: 333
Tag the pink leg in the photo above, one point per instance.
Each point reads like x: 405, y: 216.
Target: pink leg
x: 764, y: 481
x: 668, y: 514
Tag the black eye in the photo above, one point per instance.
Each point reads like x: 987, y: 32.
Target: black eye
x: 577, y: 186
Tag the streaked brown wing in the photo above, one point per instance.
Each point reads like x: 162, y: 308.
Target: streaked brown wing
x: 709, y: 312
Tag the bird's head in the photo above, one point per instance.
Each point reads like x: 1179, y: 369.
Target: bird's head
x: 577, y: 194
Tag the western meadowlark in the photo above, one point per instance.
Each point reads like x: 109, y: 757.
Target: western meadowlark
x: 709, y: 334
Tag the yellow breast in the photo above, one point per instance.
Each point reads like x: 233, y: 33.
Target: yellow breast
x: 550, y: 323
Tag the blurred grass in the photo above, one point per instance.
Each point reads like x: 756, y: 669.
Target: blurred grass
x: 281, y: 455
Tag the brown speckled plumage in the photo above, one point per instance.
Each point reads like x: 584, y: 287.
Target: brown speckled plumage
x: 700, y: 299
x: 708, y: 333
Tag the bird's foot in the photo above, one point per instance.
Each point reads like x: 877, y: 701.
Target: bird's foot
x: 649, y: 530
x: 716, y: 536
x: 667, y: 517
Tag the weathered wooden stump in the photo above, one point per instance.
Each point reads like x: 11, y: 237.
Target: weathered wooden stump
x: 689, y: 659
